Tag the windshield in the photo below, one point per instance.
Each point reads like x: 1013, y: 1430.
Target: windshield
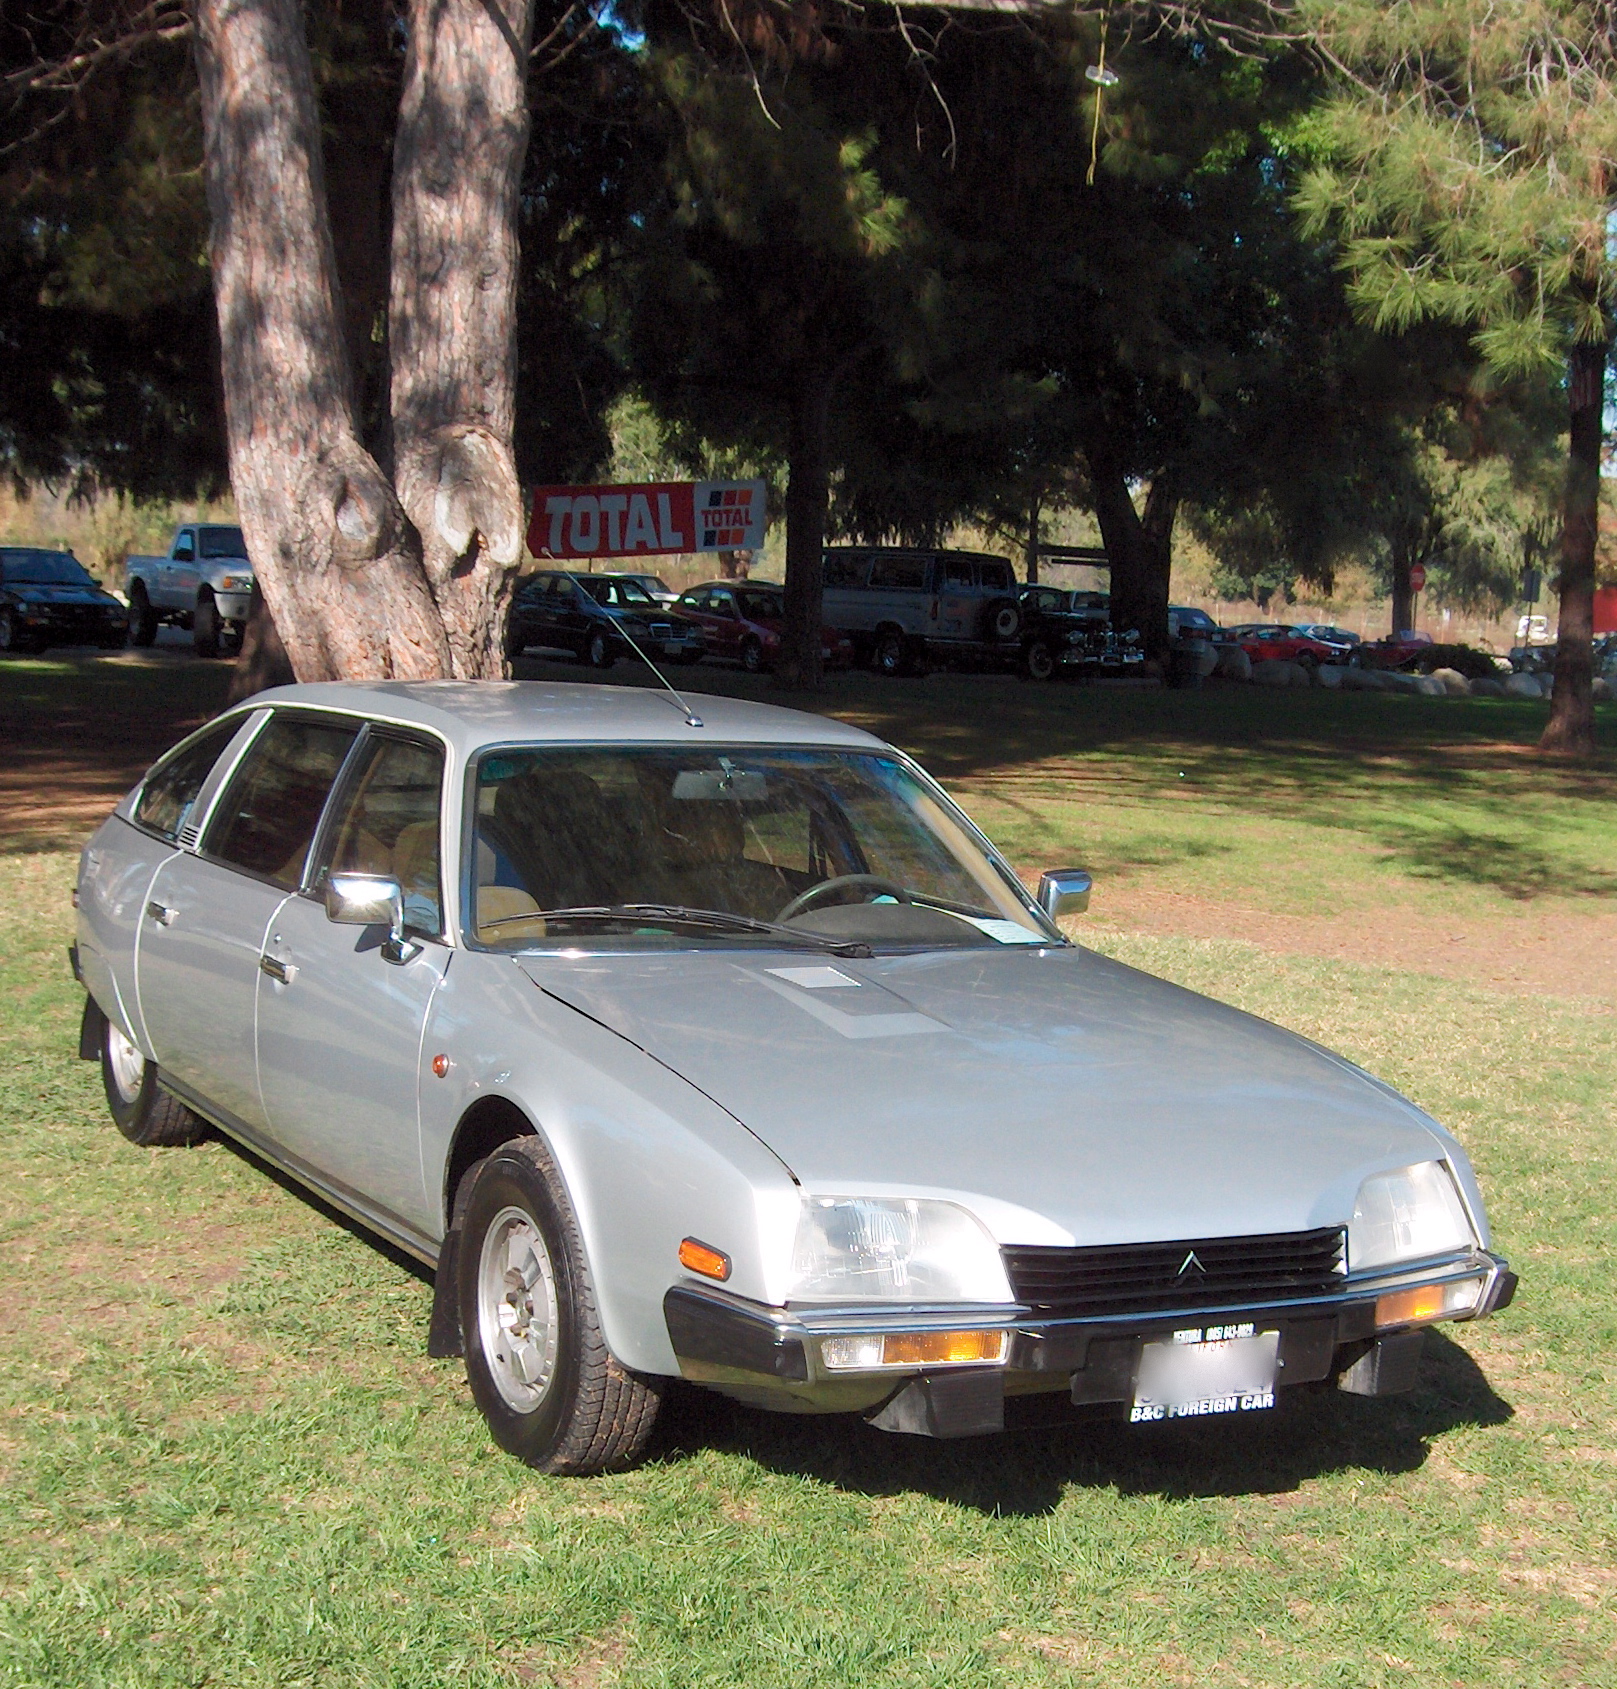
x: 615, y: 594
x: 657, y: 846
x: 222, y: 542
x: 43, y: 568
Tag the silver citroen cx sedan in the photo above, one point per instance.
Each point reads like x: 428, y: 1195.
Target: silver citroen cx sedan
x: 727, y: 1048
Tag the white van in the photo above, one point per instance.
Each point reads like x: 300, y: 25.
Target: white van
x: 905, y: 605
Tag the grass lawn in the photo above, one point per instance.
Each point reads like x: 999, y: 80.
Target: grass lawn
x: 225, y: 1459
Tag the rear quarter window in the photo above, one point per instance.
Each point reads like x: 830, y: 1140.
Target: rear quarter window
x: 899, y: 574
x: 845, y: 568
x: 170, y: 790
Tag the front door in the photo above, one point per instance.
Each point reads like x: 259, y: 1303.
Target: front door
x: 339, y: 1025
x: 202, y: 933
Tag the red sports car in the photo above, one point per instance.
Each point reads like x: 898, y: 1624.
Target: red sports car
x: 743, y: 620
x: 1278, y: 641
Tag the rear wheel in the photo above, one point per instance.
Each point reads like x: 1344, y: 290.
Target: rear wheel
x: 752, y: 654
x: 205, y: 626
x: 141, y: 1109
x: 598, y: 651
x: 538, y: 1366
x: 142, y: 617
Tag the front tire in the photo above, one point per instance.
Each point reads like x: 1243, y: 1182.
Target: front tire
x: 539, y: 1369
x: 752, y: 655
x: 598, y: 651
x: 1039, y: 661
x: 205, y: 627
x: 892, y: 654
x: 142, y: 617
x: 141, y: 1109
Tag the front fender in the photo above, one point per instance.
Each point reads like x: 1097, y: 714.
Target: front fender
x: 646, y: 1158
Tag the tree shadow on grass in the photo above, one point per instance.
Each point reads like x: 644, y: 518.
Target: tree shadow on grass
x: 1026, y: 1472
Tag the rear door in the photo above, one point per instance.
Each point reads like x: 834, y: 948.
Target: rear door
x: 898, y: 589
x: 207, y: 915
x: 339, y: 1025
x: 957, y: 597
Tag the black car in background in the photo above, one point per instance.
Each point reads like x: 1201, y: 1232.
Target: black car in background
x: 50, y: 598
x: 589, y: 615
x: 1056, y: 625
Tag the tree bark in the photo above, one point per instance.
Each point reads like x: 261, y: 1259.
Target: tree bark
x: 462, y: 138
x: 1403, y: 593
x: 338, y: 564
x: 734, y: 565
x: 808, y: 493
x: 1138, y: 549
x: 1571, y: 727
x: 1033, y: 544
x: 262, y: 661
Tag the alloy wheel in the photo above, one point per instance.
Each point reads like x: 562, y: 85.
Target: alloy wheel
x: 518, y: 1316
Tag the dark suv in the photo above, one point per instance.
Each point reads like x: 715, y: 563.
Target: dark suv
x: 904, y: 607
x: 589, y: 616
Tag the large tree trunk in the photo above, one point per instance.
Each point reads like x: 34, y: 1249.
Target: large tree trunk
x: 1138, y: 550
x: 808, y: 492
x: 1571, y: 728
x: 462, y: 137
x: 1403, y: 593
x: 1033, y: 543
x: 337, y: 561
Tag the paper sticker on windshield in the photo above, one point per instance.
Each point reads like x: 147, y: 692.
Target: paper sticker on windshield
x: 1007, y: 932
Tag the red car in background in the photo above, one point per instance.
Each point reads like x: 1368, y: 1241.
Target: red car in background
x: 743, y: 620
x: 1280, y: 642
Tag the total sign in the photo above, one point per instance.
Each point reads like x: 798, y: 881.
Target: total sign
x: 647, y: 521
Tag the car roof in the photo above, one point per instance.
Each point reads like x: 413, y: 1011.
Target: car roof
x: 470, y: 714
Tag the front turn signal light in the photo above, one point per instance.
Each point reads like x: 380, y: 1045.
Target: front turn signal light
x: 1426, y: 1302
x: 914, y: 1348
x: 703, y: 1258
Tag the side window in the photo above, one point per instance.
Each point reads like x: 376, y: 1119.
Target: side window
x: 387, y: 824
x: 845, y: 568
x: 266, y: 821
x: 997, y: 576
x: 723, y: 604
x: 957, y: 572
x: 171, y: 788
x: 901, y: 574
x: 185, y: 547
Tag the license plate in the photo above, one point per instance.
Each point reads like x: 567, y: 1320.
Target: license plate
x: 1206, y: 1369
x: 672, y: 647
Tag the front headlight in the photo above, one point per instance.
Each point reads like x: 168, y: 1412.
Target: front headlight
x: 893, y: 1249
x: 1411, y: 1214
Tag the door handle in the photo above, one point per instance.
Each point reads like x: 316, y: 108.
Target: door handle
x: 282, y: 972
x: 161, y: 913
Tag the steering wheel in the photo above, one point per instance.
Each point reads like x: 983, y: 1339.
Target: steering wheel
x: 817, y: 894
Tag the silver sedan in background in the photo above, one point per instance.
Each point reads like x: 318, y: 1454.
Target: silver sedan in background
x: 727, y: 1048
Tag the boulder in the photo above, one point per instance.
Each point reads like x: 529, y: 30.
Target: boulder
x: 1487, y: 689
x: 1395, y: 680
x: 1600, y: 687
x: 1429, y: 686
x: 1364, y: 680
x: 1233, y: 663
x: 1329, y: 675
x: 1523, y: 686
x: 1272, y: 672
x: 1454, y: 683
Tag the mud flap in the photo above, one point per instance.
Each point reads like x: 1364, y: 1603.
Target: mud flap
x: 951, y: 1404
x: 1389, y: 1367
x: 92, y: 1030
x: 444, y: 1342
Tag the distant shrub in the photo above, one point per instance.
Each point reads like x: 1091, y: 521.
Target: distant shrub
x: 1473, y: 664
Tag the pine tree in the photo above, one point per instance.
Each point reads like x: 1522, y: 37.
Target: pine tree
x: 1471, y: 175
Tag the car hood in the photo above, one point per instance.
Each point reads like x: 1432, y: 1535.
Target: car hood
x: 1076, y: 1099
x: 42, y: 592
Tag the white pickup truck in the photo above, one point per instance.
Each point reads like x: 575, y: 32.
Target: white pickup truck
x: 205, y: 584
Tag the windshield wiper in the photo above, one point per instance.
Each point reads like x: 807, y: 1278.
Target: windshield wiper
x: 677, y: 914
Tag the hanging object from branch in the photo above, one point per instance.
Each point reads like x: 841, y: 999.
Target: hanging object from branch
x: 1103, y: 79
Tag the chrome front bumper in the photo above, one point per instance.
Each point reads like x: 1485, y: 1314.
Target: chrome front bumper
x: 772, y: 1356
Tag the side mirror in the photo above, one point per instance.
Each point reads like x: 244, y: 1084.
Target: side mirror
x: 1064, y: 891
x: 368, y: 900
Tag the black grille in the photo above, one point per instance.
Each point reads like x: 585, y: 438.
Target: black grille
x: 1194, y: 1273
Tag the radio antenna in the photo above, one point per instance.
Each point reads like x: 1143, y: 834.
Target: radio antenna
x: 692, y: 719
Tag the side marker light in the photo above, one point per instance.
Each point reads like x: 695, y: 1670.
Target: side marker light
x: 703, y: 1258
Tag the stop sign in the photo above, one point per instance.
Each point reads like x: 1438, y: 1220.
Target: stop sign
x: 1417, y: 577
